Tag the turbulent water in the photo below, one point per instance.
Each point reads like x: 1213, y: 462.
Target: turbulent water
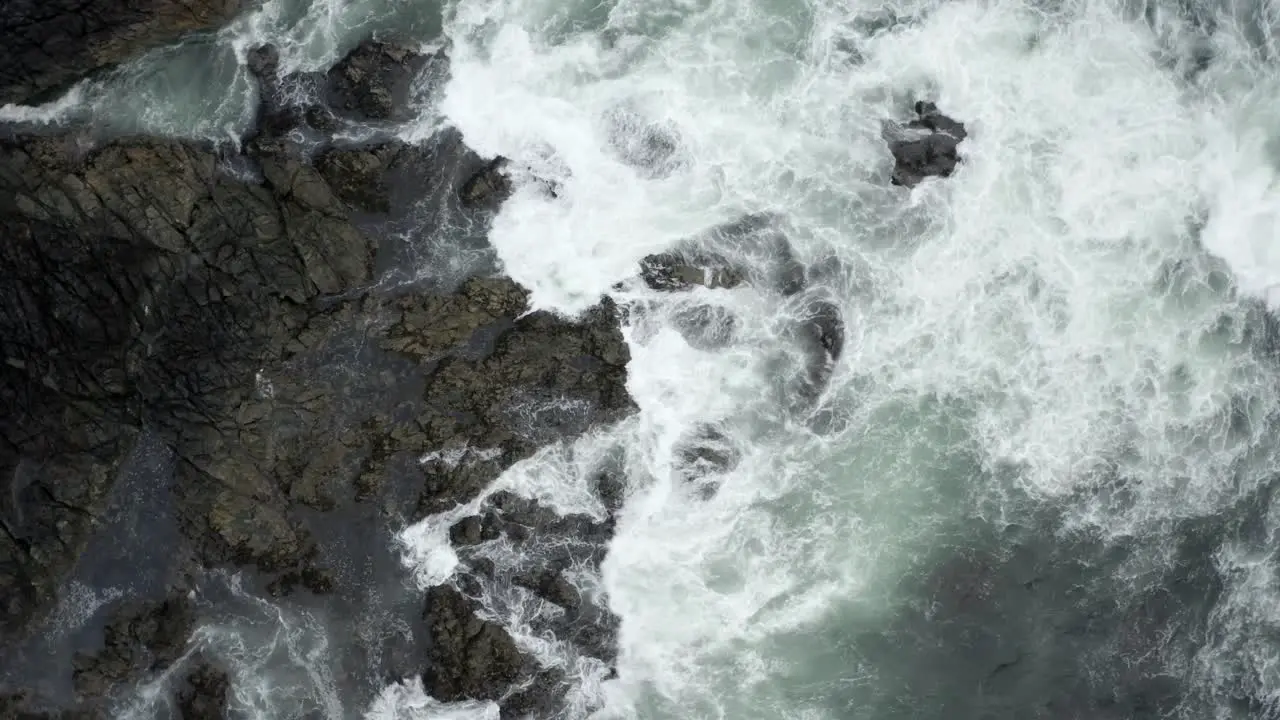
x: 1038, y: 482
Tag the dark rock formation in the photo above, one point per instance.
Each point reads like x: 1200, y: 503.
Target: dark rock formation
x: 470, y: 657
x: 672, y: 271
x: 520, y: 383
x: 232, y: 318
x: 50, y: 44
x: 143, y: 287
x: 373, y: 80
x: 356, y: 176
x: 489, y: 187
x: 203, y: 694
x: 550, y: 547
x: 926, y: 147
x: 138, y: 639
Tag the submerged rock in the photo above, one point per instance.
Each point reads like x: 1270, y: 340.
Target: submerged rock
x: 749, y: 251
x: 926, y: 147
x: 705, y: 327
x: 673, y: 271
x: 203, y: 694
x: 652, y: 148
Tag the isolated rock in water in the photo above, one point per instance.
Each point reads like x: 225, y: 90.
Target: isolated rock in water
x: 822, y: 329
x: 926, y: 146
x: 373, y: 81
x: 703, y: 454
x: 50, y: 44
x: 673, y: 271
x: 752, y: 250
x: 820, y: 333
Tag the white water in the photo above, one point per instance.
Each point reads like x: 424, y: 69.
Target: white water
x: 1009, y: 344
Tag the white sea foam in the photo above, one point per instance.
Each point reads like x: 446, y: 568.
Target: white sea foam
x: 1042, y: 327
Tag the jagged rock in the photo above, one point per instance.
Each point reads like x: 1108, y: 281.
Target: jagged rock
x: 489, y: 187
x: 469, y: 657
x: 138, y: 638
x: 549, y: 545
x: 356, y: 176
x: 203, y: 694
x: 430, y: 325
x: 50, y: 44
x: 474, y: 529
x: 373, y: 80
x: 928, y: 147
x: 541, y: 378
x: 552, y: 587
x: 540, y: 698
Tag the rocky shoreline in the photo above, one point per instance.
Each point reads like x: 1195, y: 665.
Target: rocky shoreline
x: 213, y: 330
x: 157, y: 292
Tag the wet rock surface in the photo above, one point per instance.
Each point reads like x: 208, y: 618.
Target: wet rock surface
x: 373, y: 80
x: 306, y: 412
x: 50, y: 44
x: 549, y: 559
x: 927, y: 146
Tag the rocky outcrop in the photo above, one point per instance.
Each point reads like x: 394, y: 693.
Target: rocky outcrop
x: 551, y: 550
x: 926, y: 147
x: 203, y: 694
x: 489, y: 187
x: 470, y: 657
x: 309, y: 413
x: 373, y: 81
x: 138, y: 639
x: 50, y: 44
x: 518, y: 382
x: 145, y: 288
